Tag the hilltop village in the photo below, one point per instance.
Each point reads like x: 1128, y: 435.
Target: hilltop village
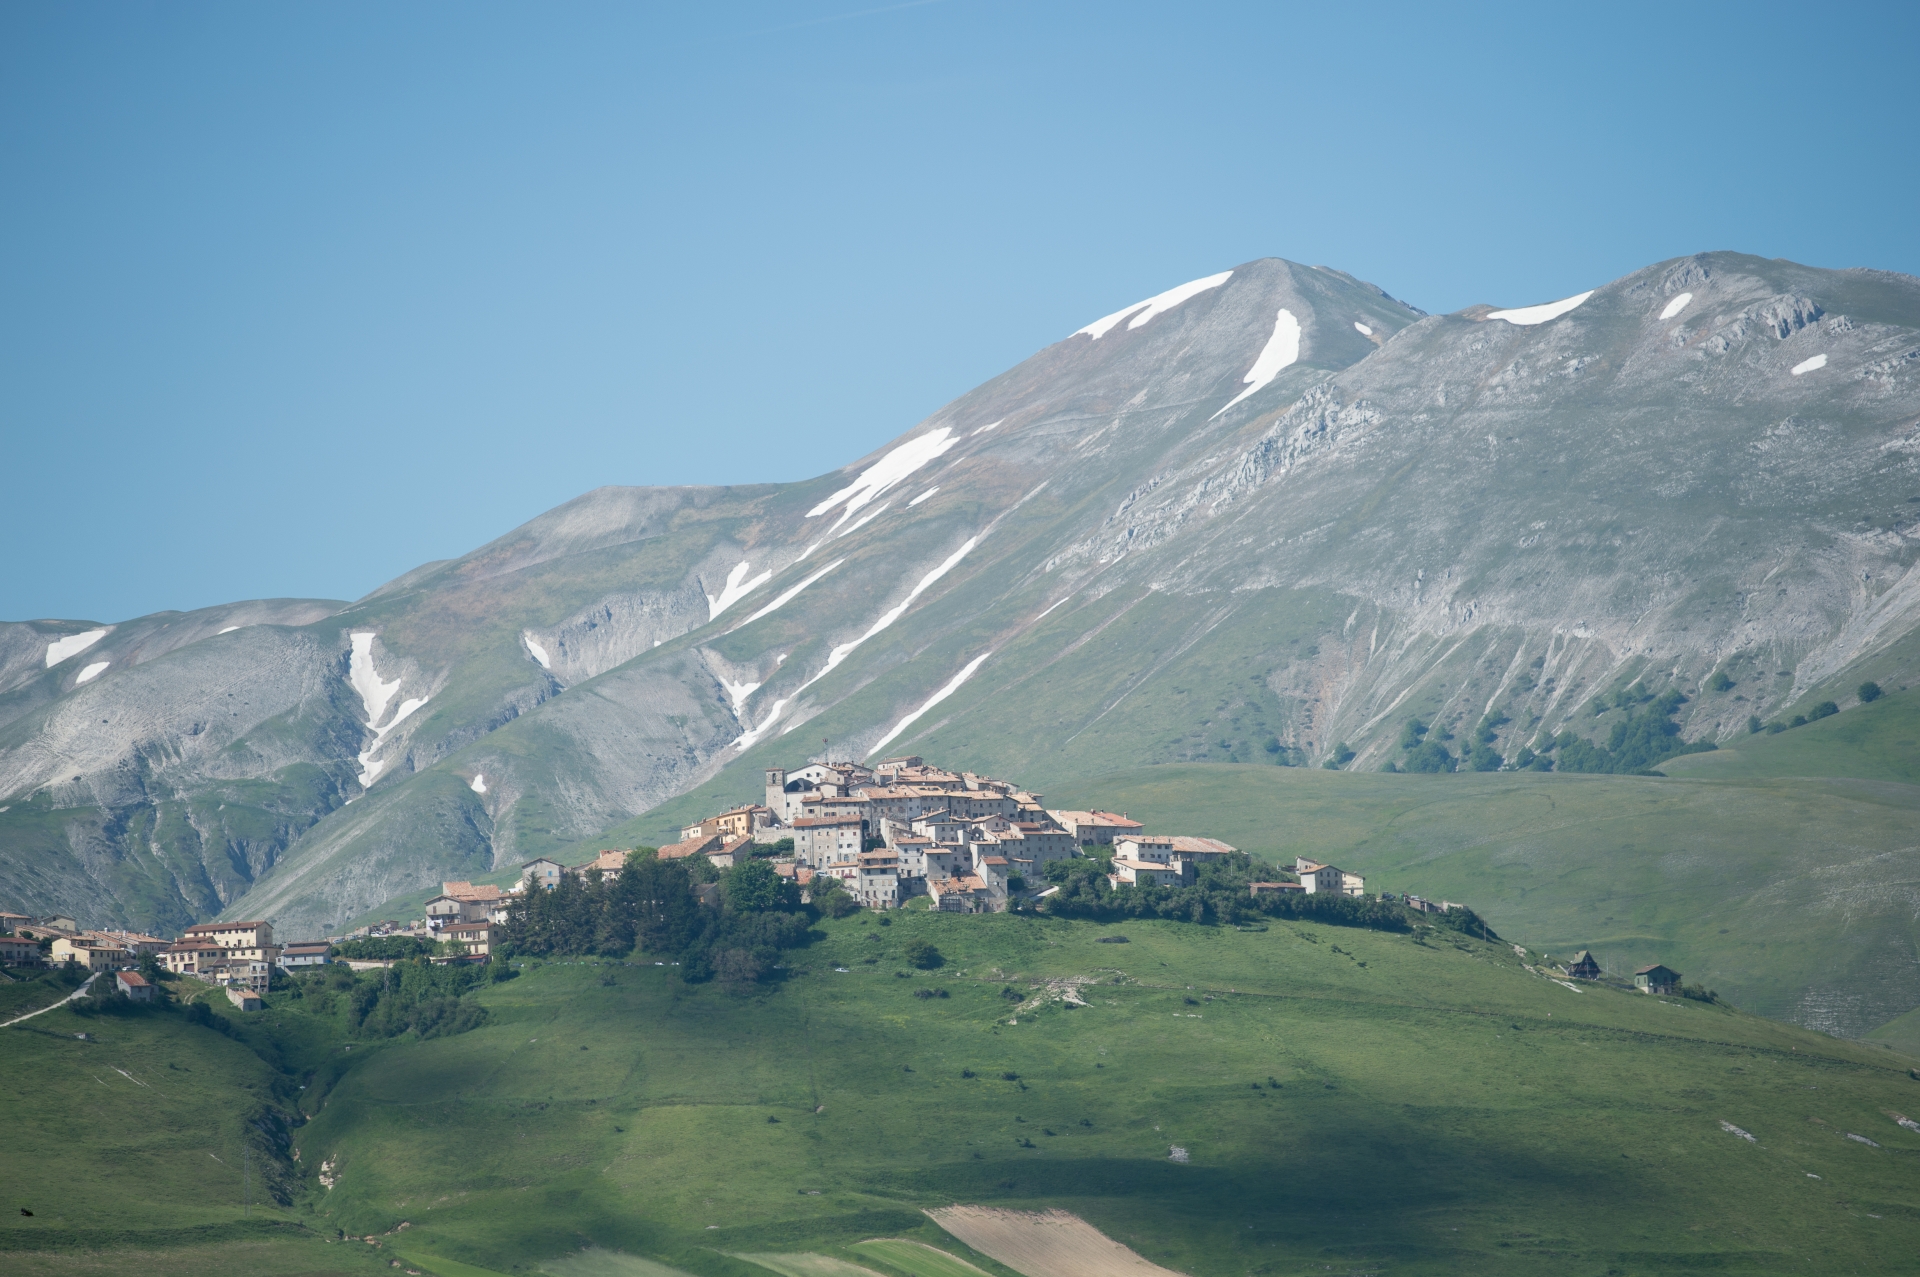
x: 884, y: 835
x: 969, y: 843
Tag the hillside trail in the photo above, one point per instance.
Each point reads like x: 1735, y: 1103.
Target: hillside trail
x: 84, y: 986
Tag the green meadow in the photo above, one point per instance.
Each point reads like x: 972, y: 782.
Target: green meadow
x: 1779, y: 871
x: 1368, y: 1101
x: 1343, y: 1099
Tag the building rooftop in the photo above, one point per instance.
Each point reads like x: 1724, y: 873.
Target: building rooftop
x: 1202, y: 846
x: 1097, y: 819
x: 691, y: 847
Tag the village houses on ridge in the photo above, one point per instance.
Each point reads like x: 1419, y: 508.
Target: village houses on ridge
x: 885, y: 834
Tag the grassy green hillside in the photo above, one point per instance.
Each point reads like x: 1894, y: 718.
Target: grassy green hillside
x: 138, y: 1147
x: 1352, y: 1099
x: 1880, y: 741
x: 1791, y: 896
x: 1779, y: 870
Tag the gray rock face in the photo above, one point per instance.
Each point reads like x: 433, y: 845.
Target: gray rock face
x: 1252, y: 520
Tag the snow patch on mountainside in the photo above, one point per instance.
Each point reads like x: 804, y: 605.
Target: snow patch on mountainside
x: 865, y: 519
x: 1806, y: 366
x: 736, y: 588
x: 966, y: 672
x: 738, y: 693
x: 230, y: 629
x: 1677, y: 305
x: 787, y: 596
x: 72, y: 645
x: 923, y: 496
x: 404, y: 712
x: 375, y: 695
x: 538, y: 652
x: 479, y: 783
x: 751, y: 738
x: 887, y: 471
x: 1155, y: 305
x: 990, y: 425
x: 1362, y: 329
x: 92, y: 672
x: 1282, y: 349
x: 370, y: 767
x: 1527, y: 315
x: 892, y: 614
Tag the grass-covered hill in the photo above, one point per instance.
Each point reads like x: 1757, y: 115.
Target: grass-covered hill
x: 1347, y: 1099
x: 1780, y: 870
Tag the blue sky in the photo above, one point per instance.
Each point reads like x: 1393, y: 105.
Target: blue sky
x: 294, y: 298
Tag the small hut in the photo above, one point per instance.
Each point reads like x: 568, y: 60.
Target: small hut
x: 1656, y: 979
x: 1583, y: 967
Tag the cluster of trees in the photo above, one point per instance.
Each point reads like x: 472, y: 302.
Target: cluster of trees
x: 1426, y: 751
x: 1645, y: 738
x: 385, y: 948
x: 656, y: 906
x: 1219, y: 895
x: 1869, y: 692
x: 413, y: 995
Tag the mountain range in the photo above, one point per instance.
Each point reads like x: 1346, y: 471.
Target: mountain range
x: 1271, y: 516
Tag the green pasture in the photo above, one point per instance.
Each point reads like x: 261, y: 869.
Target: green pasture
x: 1751, y: 870
x: 1345, y: 1097
x: 916, y: 1259
x: 134, y: 1147
x: 24, y: 989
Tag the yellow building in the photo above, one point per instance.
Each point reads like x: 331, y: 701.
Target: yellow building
x: 91, y: 954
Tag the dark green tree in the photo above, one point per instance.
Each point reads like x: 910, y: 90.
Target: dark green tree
x: 752, y: 886
x: 666, y: 913
x: 1428, y: 757
x: 831, y: 898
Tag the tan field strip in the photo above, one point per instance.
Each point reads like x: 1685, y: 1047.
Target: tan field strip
x: 1044, y: 1243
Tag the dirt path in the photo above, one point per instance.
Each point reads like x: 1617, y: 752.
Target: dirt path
x: 87, y: 984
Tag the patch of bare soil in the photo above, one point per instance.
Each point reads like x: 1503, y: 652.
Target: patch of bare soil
x: 1044, y: 1243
